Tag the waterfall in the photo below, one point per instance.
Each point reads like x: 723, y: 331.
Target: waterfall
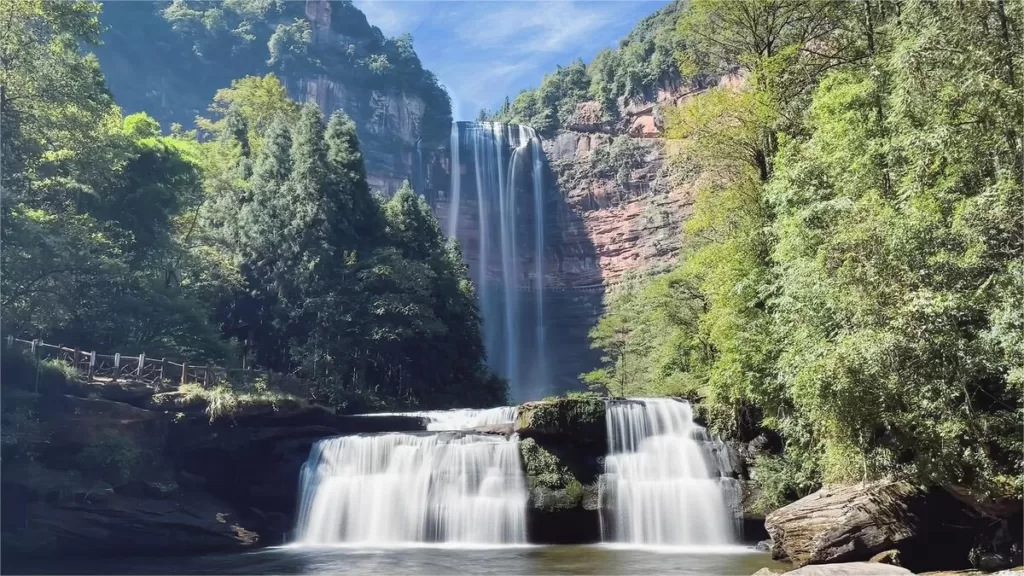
x: 664, y: 485
x: 507, y: 164
x: 542, y: 375
x: 460, y: 419
x: 395, y: 488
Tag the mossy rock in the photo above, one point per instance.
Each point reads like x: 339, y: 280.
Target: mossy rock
x: 544, y: 469
x: 579, y: 419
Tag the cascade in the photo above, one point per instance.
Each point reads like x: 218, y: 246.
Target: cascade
x: 504, y: 166
x: 665, y: 480
x: 460, y: 419
x: 399, y: 488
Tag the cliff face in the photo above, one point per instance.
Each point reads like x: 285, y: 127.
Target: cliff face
x: 169, y: 59
x: 633, y: 220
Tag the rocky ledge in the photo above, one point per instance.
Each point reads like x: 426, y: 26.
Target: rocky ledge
x: 97, y: 469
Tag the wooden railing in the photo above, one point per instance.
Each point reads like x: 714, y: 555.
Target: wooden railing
x: 157, y: 372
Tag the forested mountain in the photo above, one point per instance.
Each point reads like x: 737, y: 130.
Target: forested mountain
x: 643, y: 63
x: 256, y: 235
x: 850, y: 278
x: 168, y: 58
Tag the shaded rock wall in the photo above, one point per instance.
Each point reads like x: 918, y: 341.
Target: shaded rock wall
x: 84, y: 474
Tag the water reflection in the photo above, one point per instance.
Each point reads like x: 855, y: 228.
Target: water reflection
x: 433, y: 560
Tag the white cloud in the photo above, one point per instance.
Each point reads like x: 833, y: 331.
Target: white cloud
x: 539, y: 27
x: 393, y: 18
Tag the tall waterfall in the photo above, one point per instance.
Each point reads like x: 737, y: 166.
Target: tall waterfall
x: 663, y: 485
x: 504, y: 164
x: 394, y: 488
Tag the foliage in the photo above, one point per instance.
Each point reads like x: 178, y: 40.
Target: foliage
x: 223, y: 401
x: 850, y: 276
x: 644, y: 60
x: 204, y: 45
x: 256, y: 236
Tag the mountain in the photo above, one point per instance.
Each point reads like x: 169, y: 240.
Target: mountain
x: 170, y: 58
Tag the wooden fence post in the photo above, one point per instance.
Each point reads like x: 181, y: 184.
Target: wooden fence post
x: 10, y: 341
x: 117, y: 366
x: 142, y: 360
x: 92, y: 364
x: 163, y: 367
x: 75, y: 360
x: 184, y: 372
x: 35, y: 356
x: 206, y: 376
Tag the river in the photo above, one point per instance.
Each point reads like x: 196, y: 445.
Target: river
x: 433, y: 560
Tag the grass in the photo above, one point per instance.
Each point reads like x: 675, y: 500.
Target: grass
x: 222, y: 401
x: 58, y: 368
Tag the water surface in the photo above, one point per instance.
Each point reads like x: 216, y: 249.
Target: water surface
x: 438, y: 560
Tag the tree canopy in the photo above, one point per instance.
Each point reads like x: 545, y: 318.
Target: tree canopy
x: 256, y: 236
x: 851, y: 275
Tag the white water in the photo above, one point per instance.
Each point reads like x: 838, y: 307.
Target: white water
x: 394, y: 489
x: 663, y: 487
x: 507, y: 165
x: 460, y: 419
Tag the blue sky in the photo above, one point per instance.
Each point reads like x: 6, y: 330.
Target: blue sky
x: 484, y: 50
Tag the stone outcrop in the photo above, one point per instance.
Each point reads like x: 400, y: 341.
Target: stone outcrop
x: 86, y: 475
x: 856, y: 522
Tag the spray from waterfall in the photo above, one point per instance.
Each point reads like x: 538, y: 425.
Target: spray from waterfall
x: 664, y: 485
x: 504, y: 164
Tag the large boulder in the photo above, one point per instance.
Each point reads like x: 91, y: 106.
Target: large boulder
x: 855, y: 522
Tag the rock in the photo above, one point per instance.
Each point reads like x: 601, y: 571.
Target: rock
x: 587, y: 118
x: 847, y: 523
x: 763, y: 546
x: 78, y: 422
x: 135, y: 393
x: 502, y: 429
x: 990, y: 561
x: 766, y: 572
x: 47, y: 511
x: 855, y: 522
x: 578, y: 420
x: 850, y: 569
x: 887, y: 557
x: 160, y: 489
x: 112, y: 525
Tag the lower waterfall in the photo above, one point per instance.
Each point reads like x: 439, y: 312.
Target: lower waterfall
x: 399, y: 488
x: 460, y: 418
x: 664, y: 485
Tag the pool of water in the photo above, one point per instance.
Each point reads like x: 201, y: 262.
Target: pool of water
x: 425, y: 560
